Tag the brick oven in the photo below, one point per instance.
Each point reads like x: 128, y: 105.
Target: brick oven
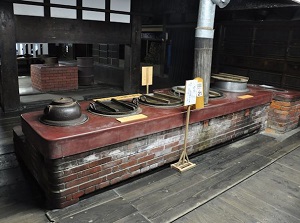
x: 56, y: 77
x: 284, y: 112
x: 69, y: 162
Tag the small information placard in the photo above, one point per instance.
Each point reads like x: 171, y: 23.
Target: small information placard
x: 191, y: 92
x: 132, y: 118
x: 147, y: 75
x: 245, y: 96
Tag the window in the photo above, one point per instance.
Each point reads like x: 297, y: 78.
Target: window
x: 29, y: 10
x: 120, y: 5
x: 91, y: 15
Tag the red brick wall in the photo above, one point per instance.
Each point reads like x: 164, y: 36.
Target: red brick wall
x: 283, y: 116
x: 65, y: 180
x: 54, y: 78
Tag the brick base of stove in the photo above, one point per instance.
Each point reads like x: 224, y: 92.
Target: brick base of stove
x: 284, y: 116
x: 67, y: 179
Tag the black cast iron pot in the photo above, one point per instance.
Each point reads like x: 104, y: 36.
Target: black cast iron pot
x: 63, y: 112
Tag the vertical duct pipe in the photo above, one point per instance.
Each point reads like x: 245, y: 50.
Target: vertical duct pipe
x: 204, y: 41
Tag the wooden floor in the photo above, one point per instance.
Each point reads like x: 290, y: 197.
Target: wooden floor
x: 21, y: 200
x: 272, y: 195
x: 256, y: 179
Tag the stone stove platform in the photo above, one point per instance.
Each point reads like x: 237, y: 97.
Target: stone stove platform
x: 69, y: 162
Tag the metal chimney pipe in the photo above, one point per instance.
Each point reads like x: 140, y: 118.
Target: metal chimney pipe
x: 204, y: 41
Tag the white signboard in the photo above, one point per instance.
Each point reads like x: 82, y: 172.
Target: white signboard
x: 147, y: 75
x: 191, y: 91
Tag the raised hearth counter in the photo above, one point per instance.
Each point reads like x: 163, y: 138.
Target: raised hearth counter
x: 56, y: 142
x: 69, y: 162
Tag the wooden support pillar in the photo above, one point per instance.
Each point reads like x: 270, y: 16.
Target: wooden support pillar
x: 47, y: 8
x: 204, y: 43
x: 203, y: 61
x: 79, y: 11
x: 107, y: 7
x: 10, y: 100
x: 132, y: 70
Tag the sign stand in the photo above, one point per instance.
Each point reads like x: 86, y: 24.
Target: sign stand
x: 184, y: 163
x: 147, y: 77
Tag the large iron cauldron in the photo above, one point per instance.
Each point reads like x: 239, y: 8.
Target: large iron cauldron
x: 63, y: 112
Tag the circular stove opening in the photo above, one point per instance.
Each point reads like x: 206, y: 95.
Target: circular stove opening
x: 161, y: 100
x: 213, y: 93
x: 114, y: 108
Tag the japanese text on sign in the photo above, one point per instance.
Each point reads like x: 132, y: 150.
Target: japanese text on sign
x: 191, y: 91
x: 200, y: 89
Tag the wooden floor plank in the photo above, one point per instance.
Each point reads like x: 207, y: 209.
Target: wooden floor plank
x: 168, y: 207
x: 278, y: 183
x: 292, y: 160
x: 282, y: 148
x: 10, y: 121
x: 133, y: 218
x: 287, y: 201
x: 6, y: 134
x: 8, y: 128
x: 6, y: 118
x: 146, y: 190
x: 213, y: 169
x: 6, y: 141
x: 219, y: 214
x: 111, y: 211
x: 233, y: 211
x: 295, y: 152
x: 231, y: 154
x: 23, y: 213
x: 163, y: 191
x: 217, y: 210
x: 8, y: 161
x: 201, y: 215
x: 255, y: 207
x: 11, y: 176
x: 81, y: 206
x: 247, y: 144
x: 220, y: 161
x: 24, y: 191
x: 21, y: 202
x: 207, y: 164
x: 5, y: 149
x: 145, y: 182
x: 284, y: 172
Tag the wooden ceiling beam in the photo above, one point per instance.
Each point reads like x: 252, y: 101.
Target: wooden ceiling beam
x: 56, y: 30
x: 259, y: 4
